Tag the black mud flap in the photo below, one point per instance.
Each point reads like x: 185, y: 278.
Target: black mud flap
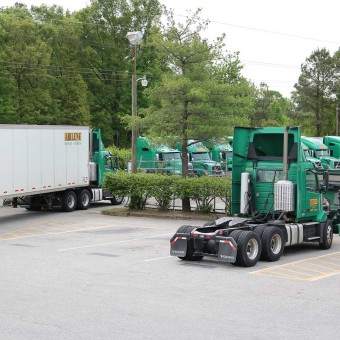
x: 179, y: 246
x: 227, y: 249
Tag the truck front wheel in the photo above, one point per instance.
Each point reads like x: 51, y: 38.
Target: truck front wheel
x: 272, y: 244
x: 326, y: 238
x: 248, y: 249
x: 69, y: 201
x: 117, y: 200
x: 83, y: 199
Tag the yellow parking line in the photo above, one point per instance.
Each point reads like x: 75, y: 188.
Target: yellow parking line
x: 53, y: 233
x: 311, y: 269
x: 308, y: 269
x: 330, y: 263
x: 294, y: 271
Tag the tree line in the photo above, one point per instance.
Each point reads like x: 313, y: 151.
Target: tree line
x: 58, y: 67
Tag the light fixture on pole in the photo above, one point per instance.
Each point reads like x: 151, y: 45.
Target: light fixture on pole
x: 135, y: 38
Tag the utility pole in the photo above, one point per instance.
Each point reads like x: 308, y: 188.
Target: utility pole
x: 337, y: 120
x: 134, y: 115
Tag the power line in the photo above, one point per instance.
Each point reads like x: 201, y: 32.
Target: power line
x: 267, y: 31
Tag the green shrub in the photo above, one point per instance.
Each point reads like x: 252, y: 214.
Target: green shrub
x: 139, y: 187
x: 203, y: 190
x: 162, y: 189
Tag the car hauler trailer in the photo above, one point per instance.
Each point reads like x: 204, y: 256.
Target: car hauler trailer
x: 53, y: 166
x: 277, y: 196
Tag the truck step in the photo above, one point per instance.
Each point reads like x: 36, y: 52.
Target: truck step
x: 314, y: 238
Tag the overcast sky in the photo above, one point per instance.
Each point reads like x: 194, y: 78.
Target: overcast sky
x: 273, y: 37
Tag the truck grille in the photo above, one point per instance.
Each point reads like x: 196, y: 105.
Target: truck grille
x: 337, y: 165
x: 217, y: 170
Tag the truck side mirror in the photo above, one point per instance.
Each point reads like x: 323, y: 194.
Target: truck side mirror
x: 325, y: 184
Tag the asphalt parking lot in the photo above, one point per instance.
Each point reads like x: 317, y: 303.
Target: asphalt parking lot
x: 83, y: 275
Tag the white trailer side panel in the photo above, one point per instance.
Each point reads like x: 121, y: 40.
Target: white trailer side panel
x: 39, y: 159
x: 20, y: 165
x: 48, y: 162
x: 34, y: 152
x: 6, y: 165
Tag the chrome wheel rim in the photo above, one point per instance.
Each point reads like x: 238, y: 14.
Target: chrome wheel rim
x: 252, y: 249
x: 276, y: 244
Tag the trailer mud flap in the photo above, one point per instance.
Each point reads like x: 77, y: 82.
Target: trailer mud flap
x: 227, y: 249
x: 179, y: 246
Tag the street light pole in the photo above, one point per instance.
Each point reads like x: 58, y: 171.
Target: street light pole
x: 337, y: 120
x: 134, y: 114
x: 135, y: 38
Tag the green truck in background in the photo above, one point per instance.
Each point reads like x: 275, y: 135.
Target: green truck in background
x: 333, y: 144
x: 201, y: 161
x: 315, y: 161
x: 278, y: 200
x: 319, y: 150
x: 159, y: 158
x: 220, y: 151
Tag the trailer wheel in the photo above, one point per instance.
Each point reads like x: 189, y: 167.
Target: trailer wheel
x: 117, y: 200
x: 69, y: 201
x: 327, y: 236
x: 272, y: 244
x: 187, y: 229
x: 83, y: 199
x: 248, y: 249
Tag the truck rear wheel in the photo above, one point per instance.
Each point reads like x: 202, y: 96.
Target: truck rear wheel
x: 189, y: 256
x: 69, y: 201
x: 326, y: 238
x: 272, y: 244
x: 248, y: 249
x: 83, y: 199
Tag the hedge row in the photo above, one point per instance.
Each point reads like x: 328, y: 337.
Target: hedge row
x: 139, y: 187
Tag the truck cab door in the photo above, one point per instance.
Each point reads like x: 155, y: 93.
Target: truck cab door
x: 311, y: 205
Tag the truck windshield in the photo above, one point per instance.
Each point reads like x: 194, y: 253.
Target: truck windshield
x: 108, y: 162
x: 269, y: 175
x: 321, y: 153
x: 200, y: 156
x: 171, y: 156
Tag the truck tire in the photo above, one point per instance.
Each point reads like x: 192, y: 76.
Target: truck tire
x: 69, y: 201
x: 83, y: 199
x: 326, y: 238
x: 272, y: 244
x: 236, y: 234
x: 117, y: 200
x: 248, y: 249
x: 260, y: 229
x: 187, y: 229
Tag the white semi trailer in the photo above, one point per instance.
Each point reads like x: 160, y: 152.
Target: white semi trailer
x: 53, y: 166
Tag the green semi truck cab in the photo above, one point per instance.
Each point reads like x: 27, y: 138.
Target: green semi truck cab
x: 278, y: 200
x: 315, y: 161
x: 333, y: 144
x: 319, y: 150
x: 220, y: 151
x: 201, y: 161
x: 158, y: 158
